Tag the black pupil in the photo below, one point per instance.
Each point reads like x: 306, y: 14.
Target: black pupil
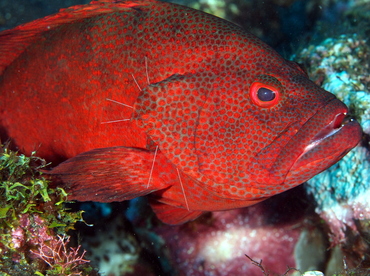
x: 265, y: 94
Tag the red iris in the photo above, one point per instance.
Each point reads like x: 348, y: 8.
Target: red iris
x: 264, y: 95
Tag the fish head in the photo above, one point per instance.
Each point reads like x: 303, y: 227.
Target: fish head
x: 315, y: 132
x: 247, y: 135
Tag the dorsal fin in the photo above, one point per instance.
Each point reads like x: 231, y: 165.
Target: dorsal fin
x: 13, y: 42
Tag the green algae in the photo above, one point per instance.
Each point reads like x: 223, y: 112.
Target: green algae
x: 34, y: 221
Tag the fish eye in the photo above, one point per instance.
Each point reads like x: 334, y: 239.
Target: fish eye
x: 264, y: 95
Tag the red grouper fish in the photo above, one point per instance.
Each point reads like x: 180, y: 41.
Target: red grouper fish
x: 150, y: 98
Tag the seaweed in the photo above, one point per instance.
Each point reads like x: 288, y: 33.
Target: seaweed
x: 34, y: 221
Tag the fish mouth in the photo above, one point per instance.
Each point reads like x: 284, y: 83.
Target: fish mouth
x: 336, y: 134
x: 333, y: 127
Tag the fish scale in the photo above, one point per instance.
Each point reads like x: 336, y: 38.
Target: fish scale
x: 135, y: 98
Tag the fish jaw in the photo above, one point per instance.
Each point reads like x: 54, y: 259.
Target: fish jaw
x: 321, y: 142
x: 326, y: 148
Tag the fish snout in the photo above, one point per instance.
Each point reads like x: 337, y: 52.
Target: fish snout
x: 330, y: 134
x: 333, y: 120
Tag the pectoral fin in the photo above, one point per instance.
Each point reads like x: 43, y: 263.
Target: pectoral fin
x: 114, y: 174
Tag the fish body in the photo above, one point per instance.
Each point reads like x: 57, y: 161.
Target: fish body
x: 150, y: 98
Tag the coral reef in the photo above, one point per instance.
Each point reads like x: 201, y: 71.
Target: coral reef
x: 119, y: 239
x: 34, y: 222
x: 341, y: 65
x: 216, y: 244
x: 115, y: 251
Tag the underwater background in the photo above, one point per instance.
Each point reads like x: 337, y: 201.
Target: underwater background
x: 322, y: 225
